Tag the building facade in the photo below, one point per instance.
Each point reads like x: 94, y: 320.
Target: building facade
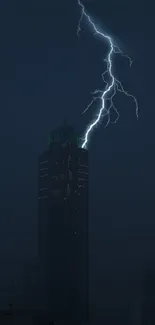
x: 63, y: 228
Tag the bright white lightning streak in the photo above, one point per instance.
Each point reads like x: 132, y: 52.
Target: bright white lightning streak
x: 113, y: 86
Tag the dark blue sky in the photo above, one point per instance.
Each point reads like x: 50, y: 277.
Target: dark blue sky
x: 46, y: 75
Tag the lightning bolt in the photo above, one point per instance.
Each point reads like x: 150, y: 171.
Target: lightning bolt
x: 111, y: 88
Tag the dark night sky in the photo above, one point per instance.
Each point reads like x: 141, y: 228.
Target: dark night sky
x: 46, y: 74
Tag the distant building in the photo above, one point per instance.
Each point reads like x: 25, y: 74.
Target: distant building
x: 148, y: 306
x: 17, y: 317
x: 63, y: 227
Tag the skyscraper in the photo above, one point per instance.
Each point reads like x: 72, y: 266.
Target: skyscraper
x: 63, y: 227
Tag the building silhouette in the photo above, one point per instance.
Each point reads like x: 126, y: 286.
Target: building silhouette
x: 63, y: 228
x: 148, y: 305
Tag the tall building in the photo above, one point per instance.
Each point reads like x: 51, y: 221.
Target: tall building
x: 63, y: 227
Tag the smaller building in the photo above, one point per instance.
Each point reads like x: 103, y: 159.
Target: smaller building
x: 148, y: 305
x: 24, y: 317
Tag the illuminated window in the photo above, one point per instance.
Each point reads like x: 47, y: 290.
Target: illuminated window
x: 55, y: 192
x: 69, y: 160
x: 70, y: 175
x: 55, y: 178
x: 43, y: 189
x: 68, y: 190
x: 42, y: 197
x: 44, y: 175
x: 44, y: 162
x: 43, y: 168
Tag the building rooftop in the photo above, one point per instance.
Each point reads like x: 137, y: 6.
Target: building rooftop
x: 63, y: 134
